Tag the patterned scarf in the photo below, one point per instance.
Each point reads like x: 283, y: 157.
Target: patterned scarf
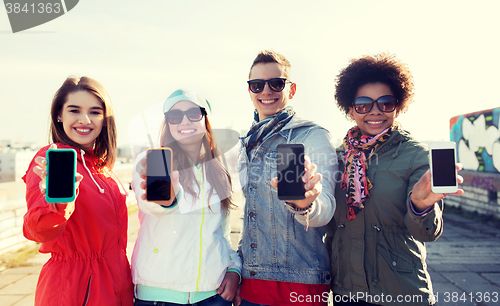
x: 269, y: 125
x: 354, y: 179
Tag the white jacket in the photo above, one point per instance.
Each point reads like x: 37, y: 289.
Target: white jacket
x: 185, y: 248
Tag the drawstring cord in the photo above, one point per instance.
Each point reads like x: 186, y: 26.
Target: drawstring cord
x: 82, y: 152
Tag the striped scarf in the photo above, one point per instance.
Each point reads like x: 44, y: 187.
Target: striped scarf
x: 354, y: 179
x: 269, y: 125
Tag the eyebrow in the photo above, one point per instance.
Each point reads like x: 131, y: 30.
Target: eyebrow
x: 76, y: 106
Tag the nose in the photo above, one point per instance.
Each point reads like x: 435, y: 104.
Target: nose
x: 84, y: 119
x: 267, y: 90
x: 185, y: 120
x: 375, y: 108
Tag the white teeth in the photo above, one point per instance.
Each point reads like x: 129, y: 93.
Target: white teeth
x: 186, y: 131
x: 83, y: 130
x: 267, y: 101
x: 375, y: 122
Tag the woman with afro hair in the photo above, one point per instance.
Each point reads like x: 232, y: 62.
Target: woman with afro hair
x: 385, y: 208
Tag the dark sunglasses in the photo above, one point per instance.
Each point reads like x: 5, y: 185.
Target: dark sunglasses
x: 276, y: 84
x: 194, y: 114
x: 386, y: 104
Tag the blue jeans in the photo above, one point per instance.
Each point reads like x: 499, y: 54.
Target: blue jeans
x: 215, y: 300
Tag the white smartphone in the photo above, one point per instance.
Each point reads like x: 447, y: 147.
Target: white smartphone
x: 442, y: 159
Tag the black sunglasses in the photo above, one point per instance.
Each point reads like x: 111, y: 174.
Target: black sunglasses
x: 386, y: 104
x: 194, y: 114
x: 275, y: 84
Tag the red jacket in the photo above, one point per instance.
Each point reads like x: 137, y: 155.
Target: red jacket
x: 87, y: 240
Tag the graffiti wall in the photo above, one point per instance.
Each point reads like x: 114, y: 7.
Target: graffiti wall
x: 477, y: 137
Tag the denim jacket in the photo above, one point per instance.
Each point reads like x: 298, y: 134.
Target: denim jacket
x: 275, y: 243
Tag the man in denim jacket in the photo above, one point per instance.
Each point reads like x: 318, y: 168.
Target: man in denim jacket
x: 284, y: 258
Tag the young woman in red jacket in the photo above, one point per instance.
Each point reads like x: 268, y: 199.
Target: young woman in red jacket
x: 87, y: 238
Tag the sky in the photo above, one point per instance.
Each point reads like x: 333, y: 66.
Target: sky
x: 141, y: 51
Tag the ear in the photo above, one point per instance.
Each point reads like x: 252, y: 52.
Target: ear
x: 351, y: 115
x: 293, y: 89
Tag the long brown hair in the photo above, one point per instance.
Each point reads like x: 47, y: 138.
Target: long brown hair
x: 210, y: 158
x: 105, y: 144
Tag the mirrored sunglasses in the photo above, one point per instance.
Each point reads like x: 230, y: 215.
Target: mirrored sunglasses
x: 386, y: 104
x: 194, y: 114
x: 275, y: 84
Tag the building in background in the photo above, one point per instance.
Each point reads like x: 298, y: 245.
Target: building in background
x: 477, y: 137
x: 14, y: 163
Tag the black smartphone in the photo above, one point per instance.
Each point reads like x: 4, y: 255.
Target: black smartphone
x: 61, y: 172
x: 158, y: 182
x: 442, y: 162
x: 290, y: 167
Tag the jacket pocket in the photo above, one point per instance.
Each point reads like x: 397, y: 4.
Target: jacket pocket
x: 270, y: 169
x: 398, y: 261
x: 87, y: 292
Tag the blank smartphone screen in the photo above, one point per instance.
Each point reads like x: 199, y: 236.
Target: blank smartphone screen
x: 443, y: 167
x: 61, y: 175
x: 290, y: 166
x: 158, y: 179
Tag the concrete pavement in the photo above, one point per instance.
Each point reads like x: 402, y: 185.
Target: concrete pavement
x: 464, y: 264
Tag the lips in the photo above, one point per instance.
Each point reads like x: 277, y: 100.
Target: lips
x: 83, y: 131
x: 190, y: 131
x: 267, y: 101
x: 373, y: 122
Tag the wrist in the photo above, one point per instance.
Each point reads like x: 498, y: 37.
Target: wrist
x: 300, y: 210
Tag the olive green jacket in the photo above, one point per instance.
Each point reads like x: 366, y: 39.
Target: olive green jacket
x: 379, y: 256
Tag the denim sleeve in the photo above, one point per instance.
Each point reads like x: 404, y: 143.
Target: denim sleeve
x: 319, y: 148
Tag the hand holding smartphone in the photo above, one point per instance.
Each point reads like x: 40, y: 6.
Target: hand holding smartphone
x: 158, y: 181
x: 290, y: 167
x: 61, y: 175
x: 443, y: 161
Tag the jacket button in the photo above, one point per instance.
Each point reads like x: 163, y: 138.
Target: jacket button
x: 394, y: 263
x: 341, y: 225
x: 253, y: 273
x: 253, y: 245
x: 252, y: 214
x: 327, y: 277
x: 377, y: 228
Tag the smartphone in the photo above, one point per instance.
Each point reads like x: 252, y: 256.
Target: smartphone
x: 443, y: 159
x: 158, y: 182
x: 290, y: 167
x: 61, y: 172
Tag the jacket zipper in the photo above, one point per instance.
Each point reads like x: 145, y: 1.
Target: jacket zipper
x: 87, y: 293
x: 202, y: 194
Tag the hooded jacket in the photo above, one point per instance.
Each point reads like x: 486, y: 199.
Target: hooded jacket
x: 380, y: 254
x: 276, y: 243
x: 184, y: 248
x: 87, y: 240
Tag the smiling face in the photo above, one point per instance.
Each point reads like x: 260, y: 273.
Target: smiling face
x: 375, y: 121
x: 187, y: 133
x: 269, y: 102
x: 82, y: 116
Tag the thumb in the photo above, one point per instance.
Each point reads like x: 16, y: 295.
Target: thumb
x: 274, y: 182
x: 53, y: 146
x: 221, y: 287
x: 237, y: 298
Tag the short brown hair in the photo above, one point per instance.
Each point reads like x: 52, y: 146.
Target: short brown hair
x: 380, y: 68
x: 269, y: 56
x: 105, y: 144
